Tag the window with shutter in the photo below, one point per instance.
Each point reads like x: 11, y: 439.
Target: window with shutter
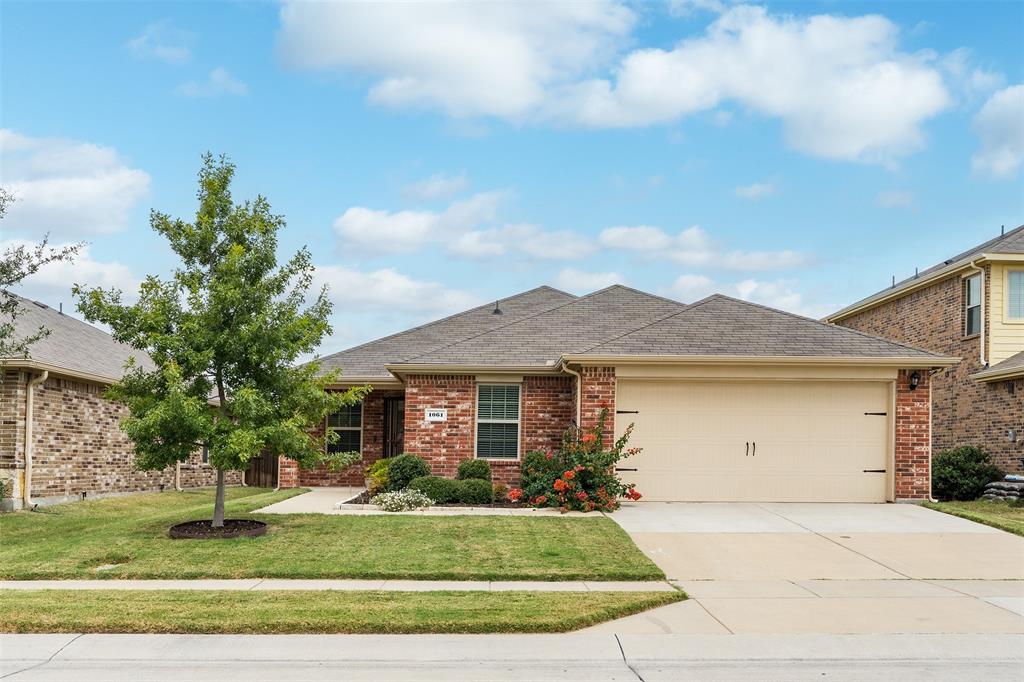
x: 497, y: 421
x: 347, y: 424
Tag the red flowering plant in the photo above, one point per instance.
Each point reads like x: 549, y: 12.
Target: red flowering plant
x: 580, y: 476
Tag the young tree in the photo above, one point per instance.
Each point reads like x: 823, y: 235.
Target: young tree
x: 17, y: 263
x: 224, y: 332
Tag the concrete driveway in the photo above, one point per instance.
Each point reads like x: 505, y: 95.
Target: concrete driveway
x: 826, y: 568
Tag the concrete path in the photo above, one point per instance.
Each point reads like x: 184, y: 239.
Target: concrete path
x: 826, y: 568
x: 596, y: 657
x: 264, y: 584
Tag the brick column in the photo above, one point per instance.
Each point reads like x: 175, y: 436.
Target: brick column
x: 913, y: 437
x: 287, y: 472
x: 598, y: 392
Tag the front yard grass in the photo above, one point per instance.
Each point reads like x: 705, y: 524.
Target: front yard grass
x: 328, y: 612
x: 1003, y: 515
x: 130, y: 534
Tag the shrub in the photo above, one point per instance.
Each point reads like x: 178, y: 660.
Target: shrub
x: 581, y: 475
x: 3, y: 489
x: 500, y: 492
x: 401, y: 500
x: 440, y: 490
x: 378, y: 475
x: 404, y: 468
x: 475, y: 491
x: 474, y: 468
x: 962, y: 473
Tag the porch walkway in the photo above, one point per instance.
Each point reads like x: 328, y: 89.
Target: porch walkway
x: 351, y: 585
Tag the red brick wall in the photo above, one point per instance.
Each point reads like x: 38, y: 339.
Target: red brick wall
x: 598, y: 393
x: 912, y: 476
x: 964, y: 411
x: 78, y: 445
x: 442, y: 444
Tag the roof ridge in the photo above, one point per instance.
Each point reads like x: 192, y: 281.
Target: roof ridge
x: 515, y: 322
x: 444, y: 319
x: 824, y: 324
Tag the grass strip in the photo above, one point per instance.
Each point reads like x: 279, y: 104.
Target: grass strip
x: 315, y: 612
x: 1002, y: 515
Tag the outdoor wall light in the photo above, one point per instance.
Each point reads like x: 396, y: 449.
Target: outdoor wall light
x: 1012, y: 435
x: 915, y: 380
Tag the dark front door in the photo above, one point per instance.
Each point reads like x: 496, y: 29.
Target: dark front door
x: 262, y: 472
x: 394, y: 426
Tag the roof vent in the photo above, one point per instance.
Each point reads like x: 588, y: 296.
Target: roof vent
x: 497, y: 308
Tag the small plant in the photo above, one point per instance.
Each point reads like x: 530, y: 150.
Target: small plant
x: 404, y: 468
x: 474, y: 468
x: 440, y: 490
x: 500, y: 492
x: 475, y: 491
x: 4, y: 493
x: 378, y: 475
x: 962, y: 473
x: 581, y: 475
x: 401, y: 500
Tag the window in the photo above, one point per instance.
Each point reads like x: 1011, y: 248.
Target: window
x: 1015, y: 294
x: 497, y: 421
x: 347, y: 423
x: 972, y: 298
x: 206, y: 453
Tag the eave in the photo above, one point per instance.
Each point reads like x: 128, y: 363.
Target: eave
x: 990, y: 376
x: 22, y: 363
x: 803, y: 360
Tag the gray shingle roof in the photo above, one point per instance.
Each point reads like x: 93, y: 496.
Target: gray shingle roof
x: 72, y: 344
x: 719, y: 325
x: 369, y: 359
x: 1011, y: 242
x: 1014, y: 362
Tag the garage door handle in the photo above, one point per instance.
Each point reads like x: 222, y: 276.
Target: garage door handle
x: 624, y: 469
x: 754, y: 453
x: 874, y: 471
x: 876, y: 414
x: 627, y: 411
x: 748, y: 450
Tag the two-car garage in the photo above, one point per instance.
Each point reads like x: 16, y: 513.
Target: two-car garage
x: 733, y: 439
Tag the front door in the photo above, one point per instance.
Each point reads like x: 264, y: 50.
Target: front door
x: 394, y: 426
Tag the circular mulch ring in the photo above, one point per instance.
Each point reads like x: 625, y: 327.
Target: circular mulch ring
x: 204, y: 530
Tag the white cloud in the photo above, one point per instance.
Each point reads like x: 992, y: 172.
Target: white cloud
x: 375, y: 231
x: 693, y: 247
x: 579, y: 282
x: 67, y: 187
x: 526, y: 239
x: 388, y: 290
x: 894, y: 199
x: 690, y: 288
x: 967, y: 78
x: 1000, y: 125
x: 467, y: 59
x: 51, y: 284
x: 218, y: 82
x: 437, y: 186
x: 163, y: 41
x: 778, y: 294
x: 840, y: 85
x: 755, y: 190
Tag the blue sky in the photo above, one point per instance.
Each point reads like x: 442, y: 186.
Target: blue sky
x: 437, y: 156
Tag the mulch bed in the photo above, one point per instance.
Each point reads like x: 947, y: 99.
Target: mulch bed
x: 364, y: 498
x: 204, y: 530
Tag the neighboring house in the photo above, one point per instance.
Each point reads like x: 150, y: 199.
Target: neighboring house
x: 58, y: 430
x: 970, y: 306
x: 730, y: 400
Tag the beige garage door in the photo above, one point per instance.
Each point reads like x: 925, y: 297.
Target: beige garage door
x: 764, y: 441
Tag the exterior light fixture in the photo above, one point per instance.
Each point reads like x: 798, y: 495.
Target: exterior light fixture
x: 915, y: 380
x: 1012, y: 435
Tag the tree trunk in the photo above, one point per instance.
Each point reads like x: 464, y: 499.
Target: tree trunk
x: 218, y: 506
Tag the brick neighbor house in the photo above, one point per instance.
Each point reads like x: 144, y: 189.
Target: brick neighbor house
x: 971, y: 306
x: 58, y: 432
x: 730, y: 400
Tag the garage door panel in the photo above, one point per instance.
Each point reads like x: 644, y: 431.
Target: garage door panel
x: 813, y: 440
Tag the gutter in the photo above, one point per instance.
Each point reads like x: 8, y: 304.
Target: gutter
x: 975, y: 268
x: 806, y: 360
x: 26, y: 493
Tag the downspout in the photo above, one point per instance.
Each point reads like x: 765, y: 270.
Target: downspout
x: 579, y: 392
x: 26, y: 493
x: 981, y: 272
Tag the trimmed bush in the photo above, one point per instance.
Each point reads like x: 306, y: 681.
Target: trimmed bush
x: 440, y: 490
x: 404, y: 468
x: 474, y: 468
x: 401, y: 500
x: 475, y: 491
x: 962, y: 473
x: 378, y: 475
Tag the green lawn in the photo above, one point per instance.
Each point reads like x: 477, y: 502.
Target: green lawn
x: 1002, y: 515
x: 71, y: 541
x: 182, y: 611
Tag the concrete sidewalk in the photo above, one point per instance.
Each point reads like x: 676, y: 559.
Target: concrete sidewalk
x: 601, y: 658
x: 389, y: 585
